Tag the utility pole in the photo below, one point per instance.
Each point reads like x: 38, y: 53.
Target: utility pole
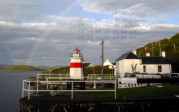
x: 102, y: 61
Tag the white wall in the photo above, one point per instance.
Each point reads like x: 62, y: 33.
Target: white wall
x: 76, y: 73
x: 153, y: 68
x: 124, y: 66
x: 128, y: 80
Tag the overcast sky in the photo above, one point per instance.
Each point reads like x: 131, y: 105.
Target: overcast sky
x: 44, y: 32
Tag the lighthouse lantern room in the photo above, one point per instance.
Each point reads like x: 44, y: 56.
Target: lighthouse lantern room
x: 76, y: 67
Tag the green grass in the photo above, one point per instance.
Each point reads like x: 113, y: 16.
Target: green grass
x: 140, y: 92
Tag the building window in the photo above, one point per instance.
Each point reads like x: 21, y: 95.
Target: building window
x: 144, y: 68
x: 159, y: 68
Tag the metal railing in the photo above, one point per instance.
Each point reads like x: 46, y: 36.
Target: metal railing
x: 90, y: 77
x: 39, y: 83
x: 99, y: 77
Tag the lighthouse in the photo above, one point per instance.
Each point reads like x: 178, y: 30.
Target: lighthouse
x: 76, y: 67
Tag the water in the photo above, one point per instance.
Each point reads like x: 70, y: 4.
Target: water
x: 11, y: 88
x: 11, y: 92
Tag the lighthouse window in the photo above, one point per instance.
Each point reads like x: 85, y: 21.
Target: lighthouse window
x: 159, y: 68
x: 144, y: 68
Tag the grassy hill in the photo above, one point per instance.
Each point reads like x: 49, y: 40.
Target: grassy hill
x: 63, y: 70
x: 170, y: 46
x: 22, y: 68
x: 88, y: 70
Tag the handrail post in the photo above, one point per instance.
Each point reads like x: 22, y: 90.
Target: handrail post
x: 37, y: 85
x: 23, y: 89
x: 72, y: 90
x: 29, y: 92
x: 47, y: 83
x: 94, y: 83
x: 115, y: 88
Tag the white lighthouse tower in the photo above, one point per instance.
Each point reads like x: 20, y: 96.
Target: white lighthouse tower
x: 76, y: 67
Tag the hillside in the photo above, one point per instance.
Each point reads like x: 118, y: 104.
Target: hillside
x: 170, y: 46
x: 88, y: 70
x: 22, y: 68
x: 64, y: 70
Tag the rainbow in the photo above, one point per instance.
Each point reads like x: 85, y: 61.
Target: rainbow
x: 65, y: 10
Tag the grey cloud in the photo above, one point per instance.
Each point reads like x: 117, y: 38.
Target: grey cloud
x: 55, y: 43
x: 139, y: 8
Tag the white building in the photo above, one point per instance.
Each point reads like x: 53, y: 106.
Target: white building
x: 131, y: 63
x: 107, y: 63
x: 111, y: 66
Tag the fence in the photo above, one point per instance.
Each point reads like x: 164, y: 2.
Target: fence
x: 29, y: 90
x: 61, y: 77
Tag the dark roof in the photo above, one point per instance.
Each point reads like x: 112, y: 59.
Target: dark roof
x: 114, y: 63
x: 86, y: 64
x: 128, y: 55
x: 154, y: 60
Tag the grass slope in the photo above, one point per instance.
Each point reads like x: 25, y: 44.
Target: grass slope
x: 22, y: 68
x: 141, y: 92
x: 170, y: 46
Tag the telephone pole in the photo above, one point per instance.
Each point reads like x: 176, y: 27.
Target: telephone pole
x: 102, y: 61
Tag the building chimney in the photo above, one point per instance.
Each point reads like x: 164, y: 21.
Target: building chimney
x: 134, y: 51
x: 147, y: 54
x: 163, y: 54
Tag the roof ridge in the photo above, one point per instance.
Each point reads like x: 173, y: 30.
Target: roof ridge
x: 127, y: 54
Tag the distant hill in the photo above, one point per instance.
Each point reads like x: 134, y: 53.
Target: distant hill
x: 47, y: 68
x: 5, y: 66
x: 170, y: 46
x: 22, y: 68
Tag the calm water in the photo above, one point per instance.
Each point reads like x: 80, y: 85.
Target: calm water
x: 11, y: 88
